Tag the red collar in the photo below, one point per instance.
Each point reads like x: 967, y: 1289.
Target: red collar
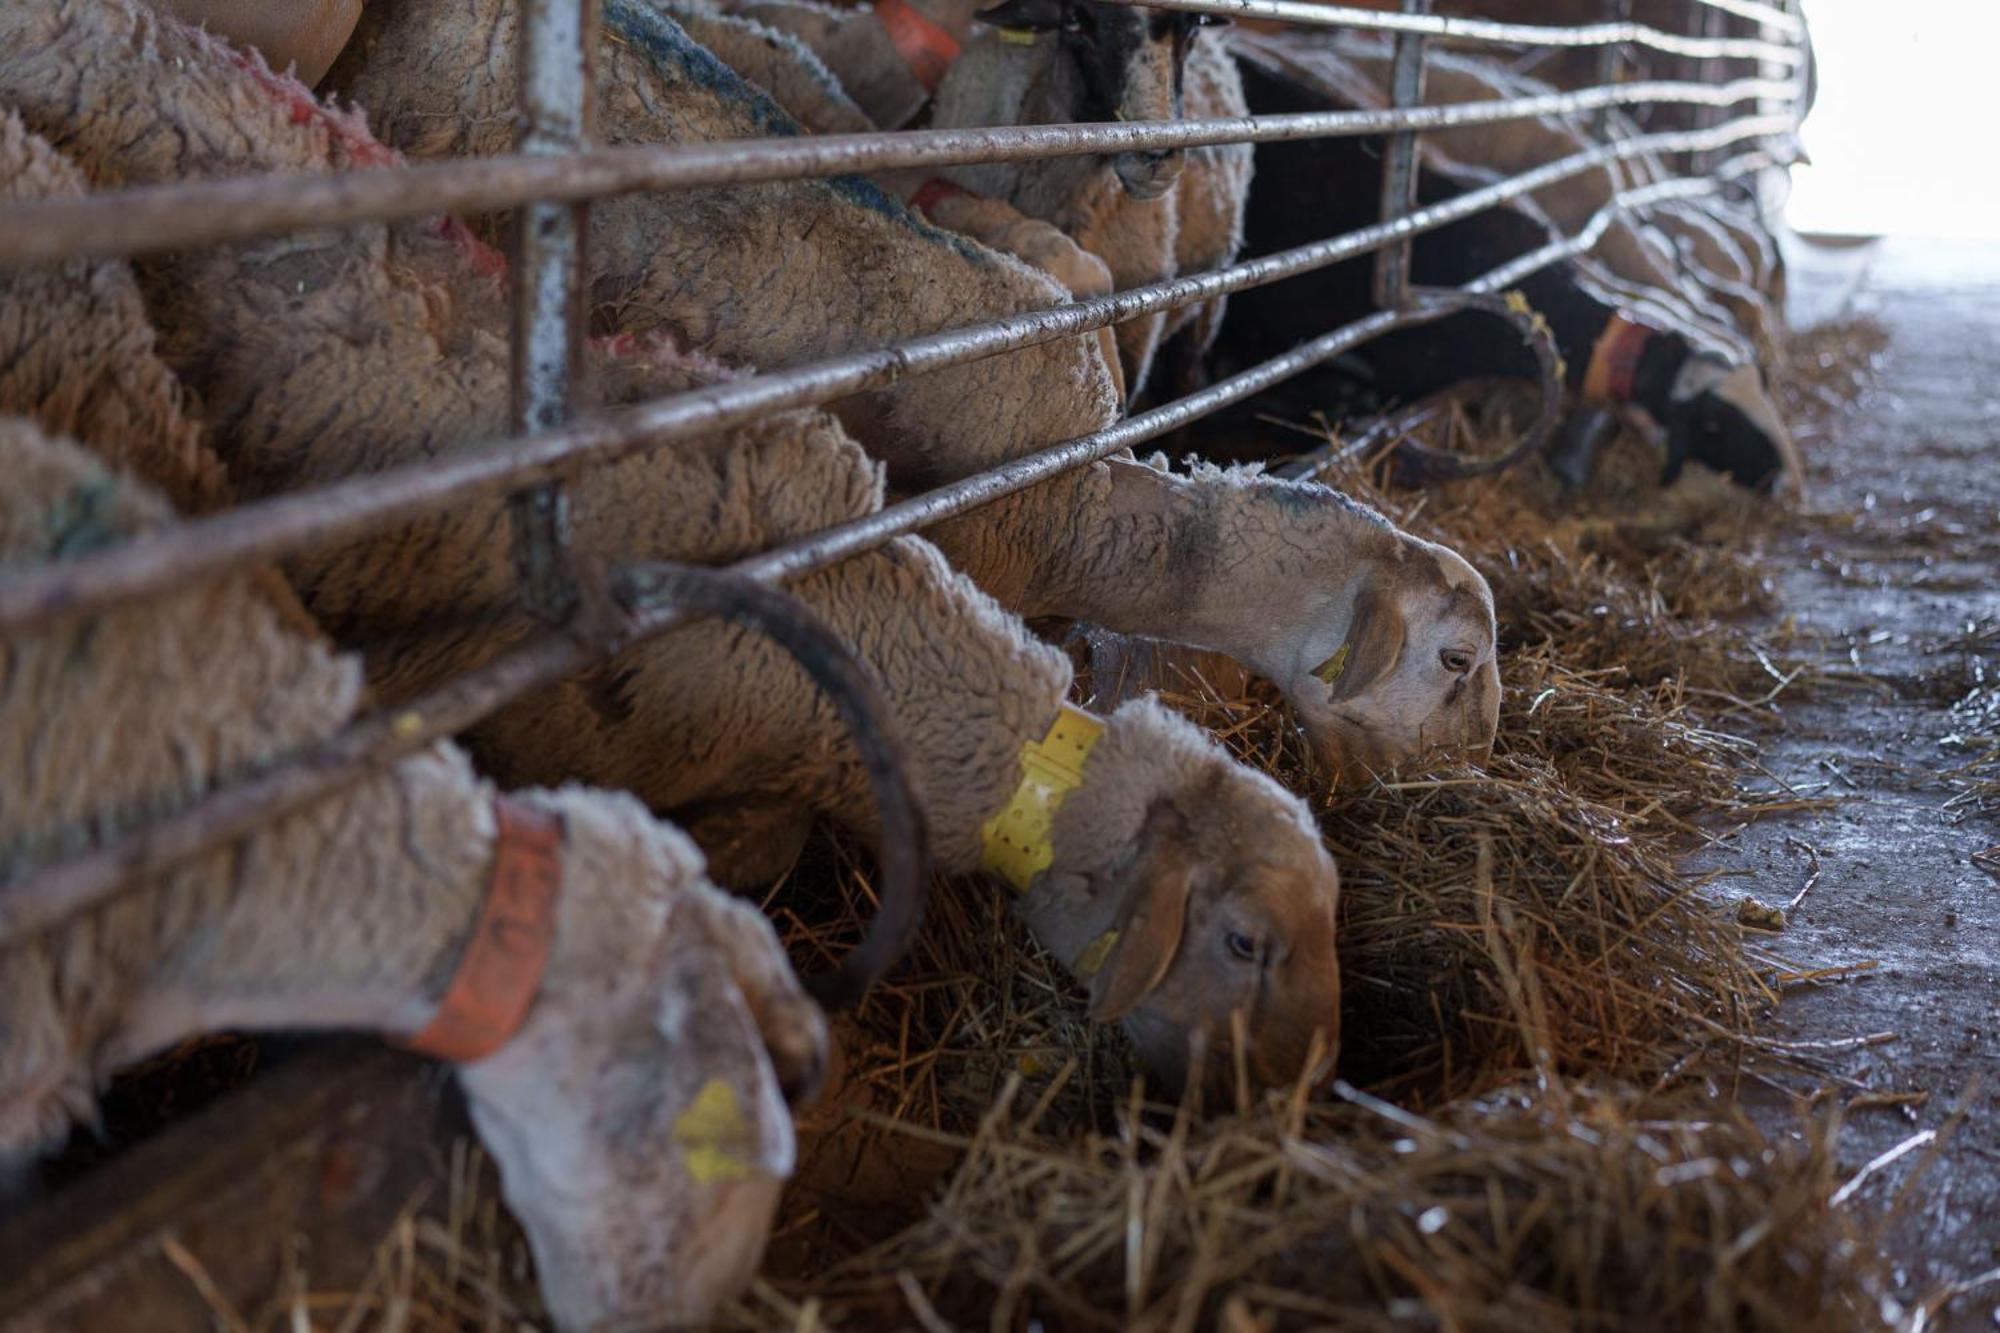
x: 925, y: 47
x: 1614, y: 360
x: 501, y: 970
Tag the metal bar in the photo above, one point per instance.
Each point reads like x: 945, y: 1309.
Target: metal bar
x: 1771, y: 16
x: 171, y: 217
x: 1399, y: 164
x: 1482, y: 32
x: 51, y: 895
x: 1681, y: 187
x: 1712, y: 22
x: 267, y: 529
x: 556, y: 39
x: 1633, y: 200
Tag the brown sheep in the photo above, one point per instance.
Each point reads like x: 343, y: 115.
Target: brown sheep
x: 661, y: 999
x: 77, y: 354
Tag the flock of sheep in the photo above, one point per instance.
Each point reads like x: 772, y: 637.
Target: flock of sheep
x: 639, y: 1111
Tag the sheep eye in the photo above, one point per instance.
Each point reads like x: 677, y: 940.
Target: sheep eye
x: 1243, y: 946
x: 1456, y: 661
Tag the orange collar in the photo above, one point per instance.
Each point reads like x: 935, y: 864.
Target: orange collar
x: 496, y: 980
x: 925, y: 47
x: 1614, y: 360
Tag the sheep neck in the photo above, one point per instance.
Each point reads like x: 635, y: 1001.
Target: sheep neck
x: 350, y: 915
x: 1242, y: 565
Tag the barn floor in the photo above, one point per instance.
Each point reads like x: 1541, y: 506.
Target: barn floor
x: 1902, y: 577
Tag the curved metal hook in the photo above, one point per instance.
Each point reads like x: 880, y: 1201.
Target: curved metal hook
x: 1418, y: 465
x: 905, y: 845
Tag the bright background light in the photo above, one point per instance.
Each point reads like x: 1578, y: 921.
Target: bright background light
x: 1902, y: 134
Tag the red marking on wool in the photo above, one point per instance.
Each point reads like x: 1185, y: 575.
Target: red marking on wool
x: 348, y: 136
x: 347, y: 131
x: 484, y: 259
x: 661, y: 347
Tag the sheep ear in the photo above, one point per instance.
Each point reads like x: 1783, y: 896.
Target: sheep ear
x: 1146, y: 945
x: 1032, y: 15
x: 1152, y: 919
x: 1374, y: 645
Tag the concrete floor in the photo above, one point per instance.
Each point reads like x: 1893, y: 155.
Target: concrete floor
x: 1917, y: 461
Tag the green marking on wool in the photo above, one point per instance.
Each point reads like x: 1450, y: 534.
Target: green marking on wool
x: 83, y: 521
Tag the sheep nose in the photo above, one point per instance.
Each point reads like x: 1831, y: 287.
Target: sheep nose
x: 1148, y: 175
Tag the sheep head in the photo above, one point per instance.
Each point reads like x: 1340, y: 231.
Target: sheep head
x: 1112, y: 62
x: 1402, y: 667
x: 639, y: 1119
x: 1196, y: 900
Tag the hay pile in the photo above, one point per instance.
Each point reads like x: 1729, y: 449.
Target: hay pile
x: 1516, y: 1212
x: 1544, y: 1023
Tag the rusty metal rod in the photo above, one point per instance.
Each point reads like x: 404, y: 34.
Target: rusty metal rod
x: 1484, y: 32
x: 902, y: 847
x: 268, y: 529
x: 171, y: 217
x: 47, y: 897
x: 50, y: 896
x: 556, y: 39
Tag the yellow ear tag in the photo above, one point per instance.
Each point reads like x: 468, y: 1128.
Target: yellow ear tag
x: 1018, y: 845
x: 715, y: 1139
x: 1091, y: 961
x: 1018, y: 36
x: 1329, y: 670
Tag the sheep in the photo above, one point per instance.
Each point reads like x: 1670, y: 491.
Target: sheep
x: 1719, y: 264
x: 638, y: 1113
x: 1708, y: 407
x: 77, y: 354
x: 1147, y: 215
x: 792, y: 75
x: 1129, y: 517
x: 1382, y: 642
x: 366, y: 354
x: 302, y: 36
x: 1354, y: 71
x: 759, y: 275
x: 408, y: 287
x: 889, y: 56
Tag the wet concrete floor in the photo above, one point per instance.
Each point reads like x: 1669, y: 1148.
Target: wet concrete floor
x: 1908, y: 590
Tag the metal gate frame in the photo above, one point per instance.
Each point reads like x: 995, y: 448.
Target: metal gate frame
x: 1751, y: 124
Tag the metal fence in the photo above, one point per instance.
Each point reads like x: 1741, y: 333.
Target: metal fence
x: 1746, y: 122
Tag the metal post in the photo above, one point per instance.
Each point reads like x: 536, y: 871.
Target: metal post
x: 1611, y: 61
x: 556, y: 41
x: 1707, y: 70
x: 1399, y: 165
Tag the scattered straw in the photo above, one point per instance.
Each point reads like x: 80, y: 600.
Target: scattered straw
x: 1596, y: 1210
x: 1542, y: 1018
